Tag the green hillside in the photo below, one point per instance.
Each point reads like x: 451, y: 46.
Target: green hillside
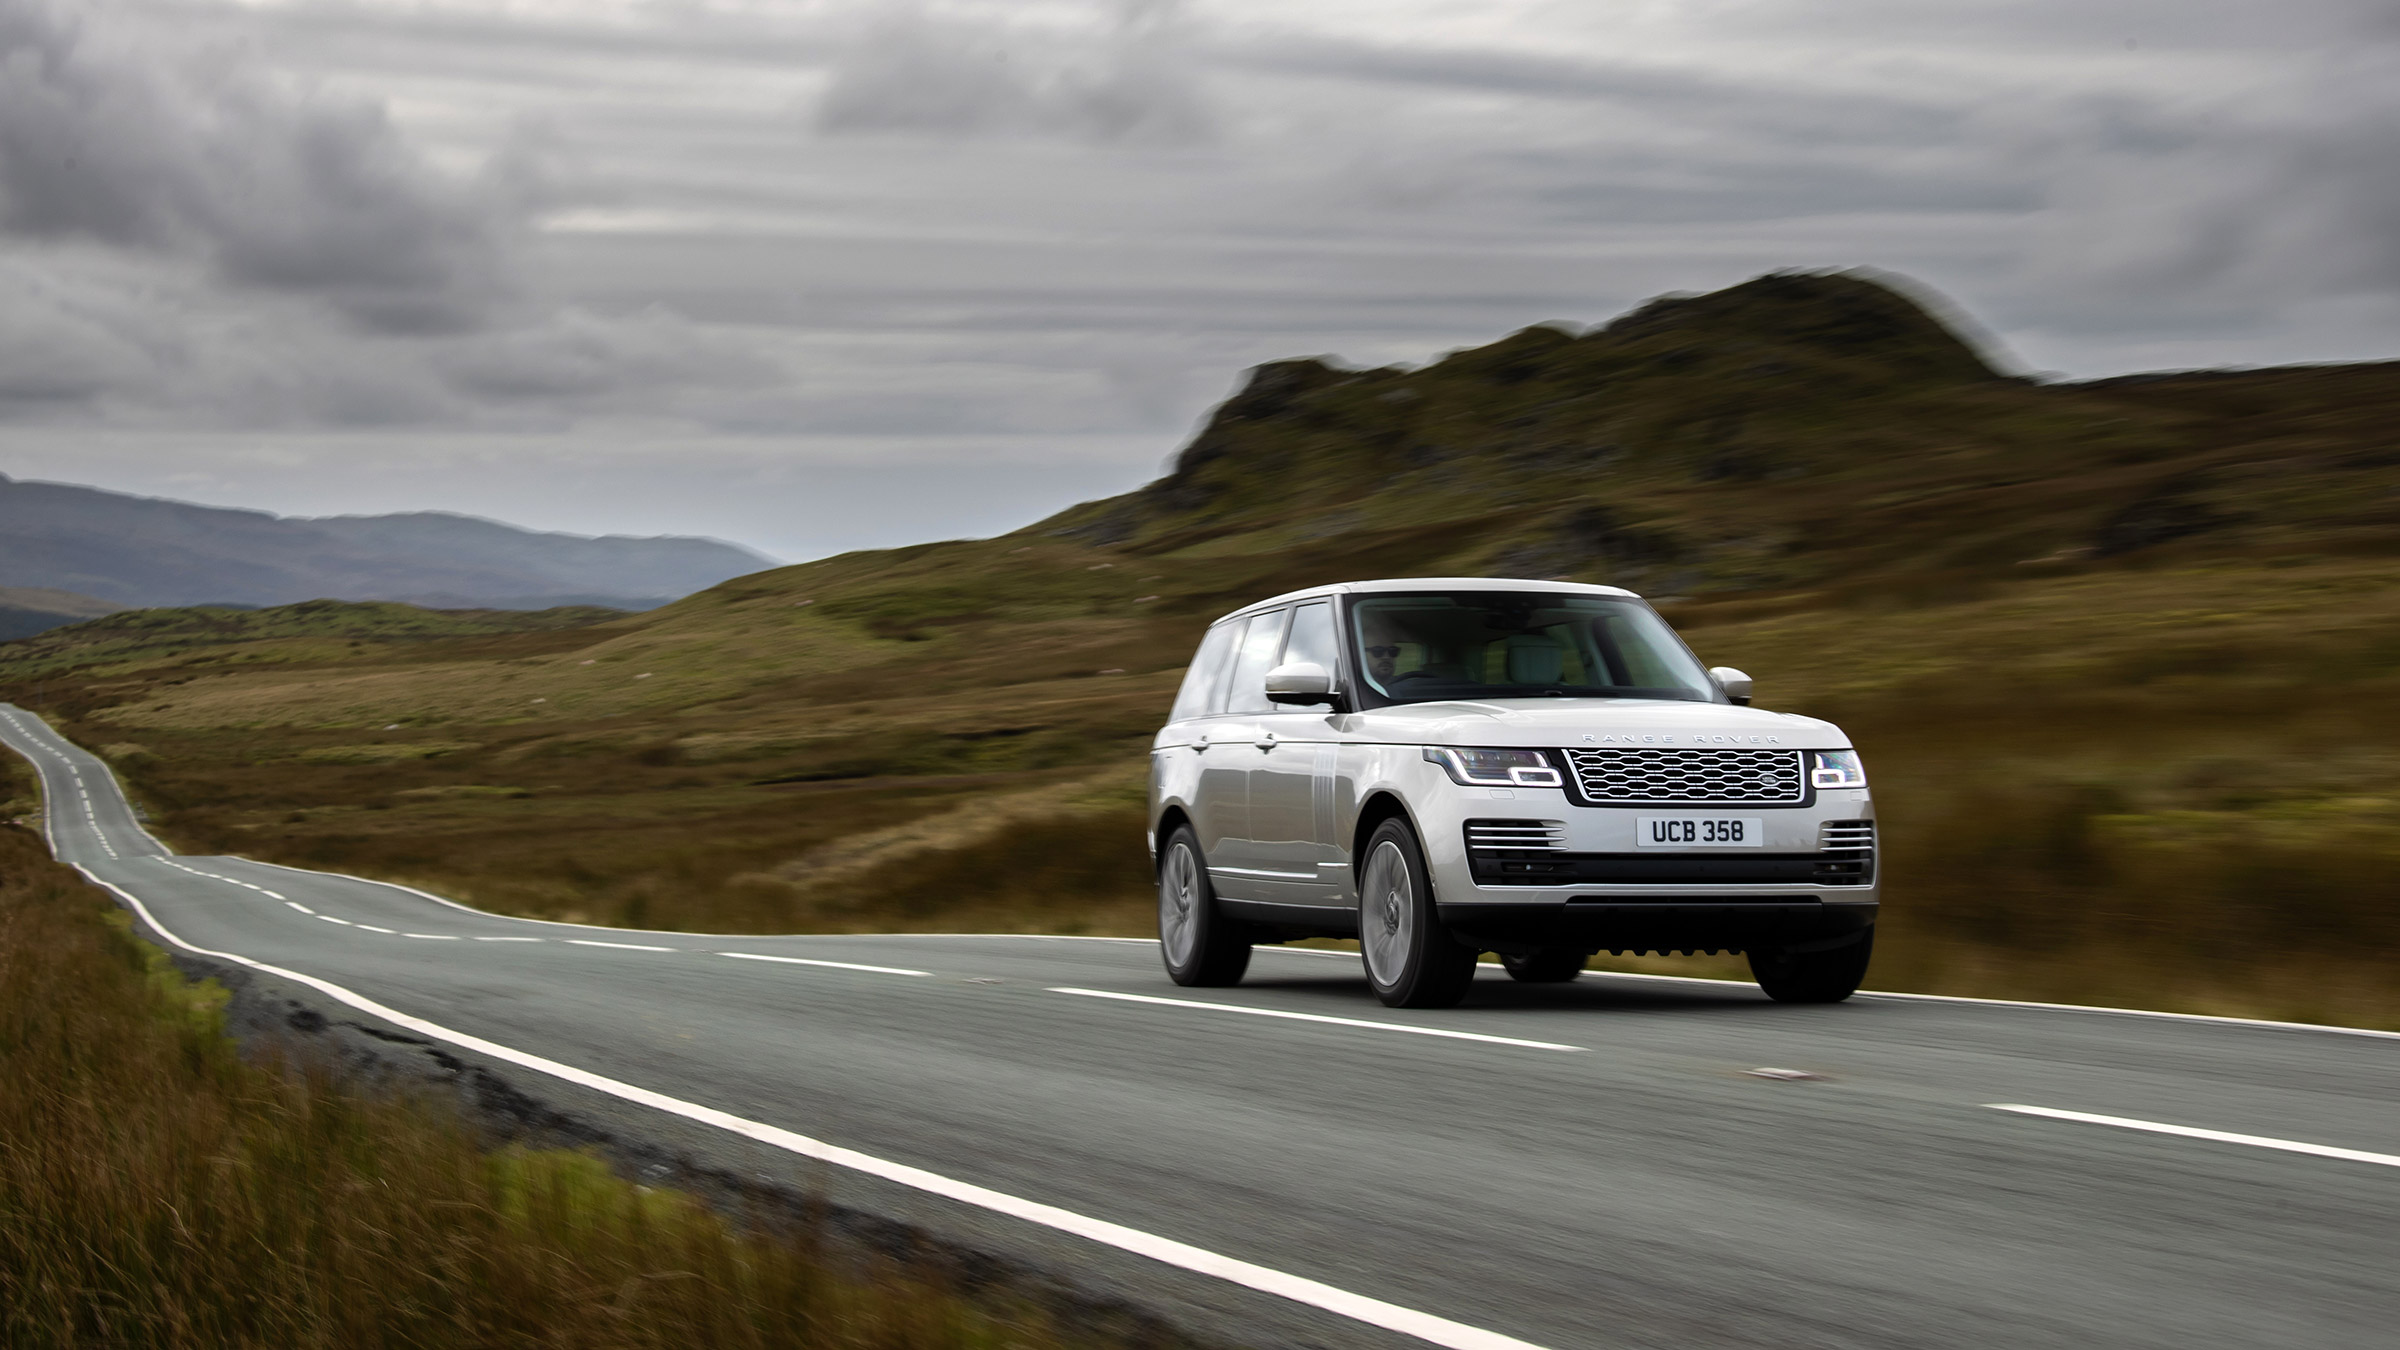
x: 2118, y: 654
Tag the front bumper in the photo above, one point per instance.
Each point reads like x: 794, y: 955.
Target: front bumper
x: 1594, y: 888
x: 1673, y: 925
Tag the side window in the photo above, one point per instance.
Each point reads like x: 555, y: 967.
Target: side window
x: 1198, y: 697
x: 1313, y: 638
x: 1254, y: 659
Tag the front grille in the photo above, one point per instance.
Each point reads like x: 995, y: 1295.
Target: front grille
x: 1691, y: 777
x: 1487, y: 835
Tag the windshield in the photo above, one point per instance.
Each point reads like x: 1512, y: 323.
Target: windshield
x: 1520, y: 644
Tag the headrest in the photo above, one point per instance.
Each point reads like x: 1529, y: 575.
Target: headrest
x: 1534, y: 661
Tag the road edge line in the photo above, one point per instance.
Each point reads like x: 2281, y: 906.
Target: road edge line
x: 1443, y: 1032
x: 1167, y: 1251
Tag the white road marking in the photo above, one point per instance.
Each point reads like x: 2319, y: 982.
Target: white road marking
x: 2190, y: 1132
x: 433, y: 937
x: 837, y: 965
x: 627, y: 946
x: 1877, y: 995
x: 1317, y: 1017
x: 330, y: 919
x: 1353, y: 956
x: 298, y: 906
x: 1167, y: 1251
x: 506, y: 939
x: 2134, y: 1012
x: 373, y: 929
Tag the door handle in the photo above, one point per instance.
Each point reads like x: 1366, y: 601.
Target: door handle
x: 1267, y: 742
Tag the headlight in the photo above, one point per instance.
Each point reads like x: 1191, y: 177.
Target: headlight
x: 1835, y: 769
x: 1495, y: 768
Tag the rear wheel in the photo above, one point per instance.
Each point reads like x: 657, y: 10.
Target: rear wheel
x: 1412, y: 961
x: 1200, y: 945
x: 1550, y: 965
x: 1826, y: 976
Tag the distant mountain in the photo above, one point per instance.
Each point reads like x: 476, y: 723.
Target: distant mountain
x: 26, y: 610
x: 132, y: 551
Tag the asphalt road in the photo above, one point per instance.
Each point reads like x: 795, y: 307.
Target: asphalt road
x: 1593, y: 1164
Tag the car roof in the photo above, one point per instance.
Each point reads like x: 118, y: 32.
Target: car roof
x: 1405, y: 584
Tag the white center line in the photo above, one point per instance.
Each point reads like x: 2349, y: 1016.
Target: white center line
x: 627, y: 946
x: 373, y: 929
x: 298, y: 906
x: 506, y: 939
x: 330, y: 919
x: 1318, y: 1017
x: 2191, y: 1132
x: 433, y: 937
x: 837, y: 965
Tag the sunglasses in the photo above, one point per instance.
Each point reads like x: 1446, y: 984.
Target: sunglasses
x: 1380, y: 652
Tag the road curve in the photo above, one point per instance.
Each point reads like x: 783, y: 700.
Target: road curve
x: 1595, y: 1164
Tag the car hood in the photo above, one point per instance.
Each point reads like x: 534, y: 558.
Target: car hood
x: 1574, y: 723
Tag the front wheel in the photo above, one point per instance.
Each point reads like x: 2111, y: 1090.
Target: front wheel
x: 1199, y: 945
x: 1411, y: 960
x: 1826, y: 976
x: 1550, y: 965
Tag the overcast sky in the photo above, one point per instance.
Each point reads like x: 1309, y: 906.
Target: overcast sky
x: 817, y: 276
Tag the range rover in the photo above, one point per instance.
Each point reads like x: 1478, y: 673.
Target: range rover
x: 1441, y: 767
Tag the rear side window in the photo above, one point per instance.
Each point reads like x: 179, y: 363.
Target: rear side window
x: 1201, y: 683
x: 1254, y: 659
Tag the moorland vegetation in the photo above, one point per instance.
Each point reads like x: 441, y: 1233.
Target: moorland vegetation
x: 159, y: 1189
x: 2120, y: 655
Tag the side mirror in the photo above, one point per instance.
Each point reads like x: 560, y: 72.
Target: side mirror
x: 1300, y: 682
x: 1735, y: 684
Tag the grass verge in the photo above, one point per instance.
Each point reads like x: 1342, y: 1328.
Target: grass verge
x: 156, y: 1189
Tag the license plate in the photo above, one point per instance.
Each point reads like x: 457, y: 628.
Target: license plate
x: 1699, y: 831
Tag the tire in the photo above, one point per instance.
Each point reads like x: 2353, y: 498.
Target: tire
x: 1826, y: 976
x: 1199, y: 945
x: 1411, y: 960
x: 1550, y: 965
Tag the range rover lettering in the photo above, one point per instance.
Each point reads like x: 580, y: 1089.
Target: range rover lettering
x: 1441, y: 767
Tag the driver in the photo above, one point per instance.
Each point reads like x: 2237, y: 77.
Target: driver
x: 1381, y: 642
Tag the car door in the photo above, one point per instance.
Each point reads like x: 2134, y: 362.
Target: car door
x: 1230, y: 752
x: 1179, y: 767
x: 1292, y: 779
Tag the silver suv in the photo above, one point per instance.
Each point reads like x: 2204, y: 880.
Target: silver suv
x: 1445, y: 766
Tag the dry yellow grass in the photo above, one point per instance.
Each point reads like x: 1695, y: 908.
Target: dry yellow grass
x: 156, y: 1190
x: 2120, y: 656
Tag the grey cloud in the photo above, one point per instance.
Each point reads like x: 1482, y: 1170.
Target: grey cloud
x: 131, y: 341
x: 589, y: 357
x: 2214, y: 208
x: 63, y: 348
x: 991, y: 216
x: 1130, y: 78
x: 111, y: 135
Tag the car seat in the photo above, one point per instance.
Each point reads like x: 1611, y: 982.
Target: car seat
x: 1534, y: 660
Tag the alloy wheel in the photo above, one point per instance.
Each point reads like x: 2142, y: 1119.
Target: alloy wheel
x: 1178, y: 904
x: 1387, y: 919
